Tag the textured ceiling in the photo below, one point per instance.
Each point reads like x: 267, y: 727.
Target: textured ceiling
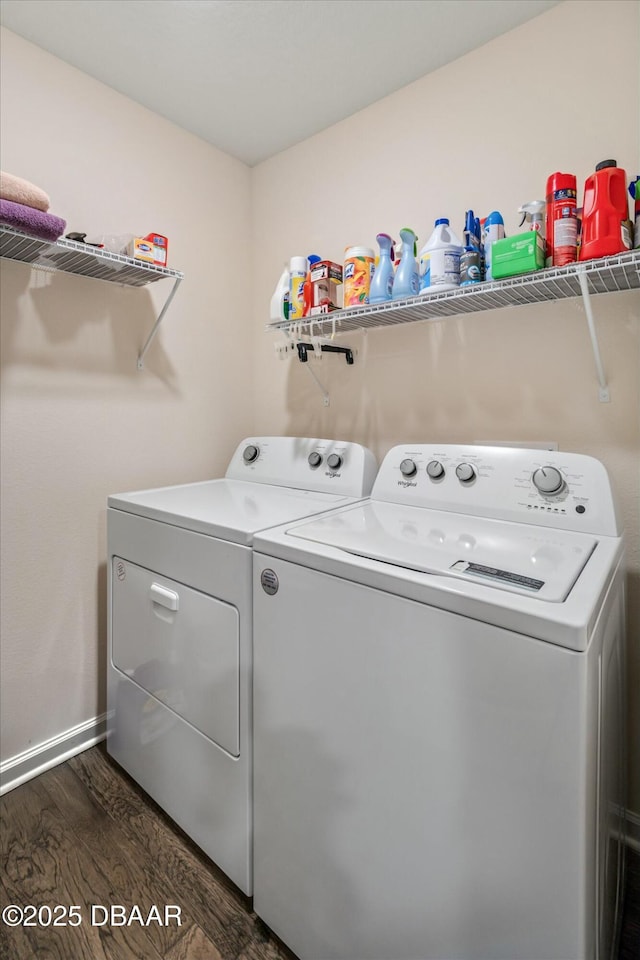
x: 253, y: 77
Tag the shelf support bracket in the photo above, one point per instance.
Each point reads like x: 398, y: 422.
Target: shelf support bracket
x: 603, y: 389
x: 154, y: 330
x: 325, y: 395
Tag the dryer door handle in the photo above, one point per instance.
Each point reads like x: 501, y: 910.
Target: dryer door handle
x: 166, y: 598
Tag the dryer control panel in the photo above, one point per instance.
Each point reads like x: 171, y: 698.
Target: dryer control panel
x: 569, y: 491
x: 330, y: 466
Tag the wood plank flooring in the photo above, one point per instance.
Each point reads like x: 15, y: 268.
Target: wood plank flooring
x: 84, y: 833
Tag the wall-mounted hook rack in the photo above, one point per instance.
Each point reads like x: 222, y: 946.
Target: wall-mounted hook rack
x: 305, y: 348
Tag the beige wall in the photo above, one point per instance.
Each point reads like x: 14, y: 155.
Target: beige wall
x: 559, y: 93
x: 78, y: 420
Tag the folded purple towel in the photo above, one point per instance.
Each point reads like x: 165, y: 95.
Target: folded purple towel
x: 44, y: 226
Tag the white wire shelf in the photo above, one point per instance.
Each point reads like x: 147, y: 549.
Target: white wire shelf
x: 609, y: 275
x: 68, y: 256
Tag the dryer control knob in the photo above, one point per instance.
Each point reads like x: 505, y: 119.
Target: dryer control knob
x: 548, y: 481
x: 465, y: 472
x: 250, y: 453
x: 314, y: 459
x: 334, y: 461
x: 435, y: 469
x: 408, y: 468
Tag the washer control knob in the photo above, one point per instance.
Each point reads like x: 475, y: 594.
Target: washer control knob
x: 548, y: 481
x: 435, y: 469
x: 250, y: 453
x: 314, y: 459
x: 334, y: 461
x: 408, y: 468
x: 465, y: 472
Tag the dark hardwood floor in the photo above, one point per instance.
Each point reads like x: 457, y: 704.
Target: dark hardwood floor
x: 84, y: 834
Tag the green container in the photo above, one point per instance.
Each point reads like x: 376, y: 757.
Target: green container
x: 514, y: 255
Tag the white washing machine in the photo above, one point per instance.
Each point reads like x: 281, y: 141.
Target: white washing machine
x: 180, y: 628
x: 438, y: 714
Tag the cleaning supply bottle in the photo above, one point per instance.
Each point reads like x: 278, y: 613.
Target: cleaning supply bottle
x: 470, y: 265
x: 605, y: 212
x: 298, y: 267
x: 407, y: 282
x: 492, y: 230
x: 382, y: 283
x: 562, y: 220
x: 440, y: 259
x: 358, y: 270
x: 533, y: 215
x: 306, y: 290
x: 634, y: 190
x: 280, y: 300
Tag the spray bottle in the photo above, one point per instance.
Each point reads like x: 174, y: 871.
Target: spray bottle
x: 470, y: 265
x: 382, y: 283
x: 533, y: 214
x: 407, y: 280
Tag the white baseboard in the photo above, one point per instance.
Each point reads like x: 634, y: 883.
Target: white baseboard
x: 633, y: 830
x: 24, y: 766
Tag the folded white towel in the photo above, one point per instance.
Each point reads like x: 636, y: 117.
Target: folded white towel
x: 21, y: 191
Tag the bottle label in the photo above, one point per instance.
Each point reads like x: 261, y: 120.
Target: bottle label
x: 296, y: 298
x: 470, y: 267
x: 440, y: 266
x: 357, y: 280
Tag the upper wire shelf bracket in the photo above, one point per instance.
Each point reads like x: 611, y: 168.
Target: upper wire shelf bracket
x: 68, y: 256
x: 608, y: 275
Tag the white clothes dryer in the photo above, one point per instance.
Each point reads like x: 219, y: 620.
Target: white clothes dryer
x: 180, y: 628
x: 438, y: 714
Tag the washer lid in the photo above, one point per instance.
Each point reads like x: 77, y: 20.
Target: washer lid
x: 531, y: 561
x: 229, y: 509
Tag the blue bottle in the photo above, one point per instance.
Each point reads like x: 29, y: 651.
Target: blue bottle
x: 470, y: 265
x: 407, y: 280
x: 493, y: 230
x: 382, y: 283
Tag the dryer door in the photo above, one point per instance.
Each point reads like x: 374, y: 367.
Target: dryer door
x: 182, y: 647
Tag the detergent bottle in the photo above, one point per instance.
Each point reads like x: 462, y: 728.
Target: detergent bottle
x: 407, y: 281
x: 605, y: 212
x: 280, y: 299
x: 493, y: 230
x: 382, y: 283
x: 440, y: 259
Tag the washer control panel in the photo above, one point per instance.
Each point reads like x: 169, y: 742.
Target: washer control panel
x: 569, y: 491
x: 305, y: 463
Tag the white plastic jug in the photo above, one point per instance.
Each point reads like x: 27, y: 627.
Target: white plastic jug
x: 440, y: 259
